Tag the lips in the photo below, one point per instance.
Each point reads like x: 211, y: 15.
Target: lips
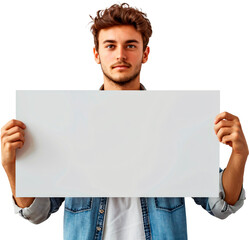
x: 121, y: 66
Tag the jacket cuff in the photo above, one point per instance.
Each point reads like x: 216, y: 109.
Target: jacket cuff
x: 37, y: 212
x: 219, y: 207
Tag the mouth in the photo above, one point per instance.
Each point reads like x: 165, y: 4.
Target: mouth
x: 120, y: 66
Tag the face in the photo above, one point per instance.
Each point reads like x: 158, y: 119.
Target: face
x: 121, y: 54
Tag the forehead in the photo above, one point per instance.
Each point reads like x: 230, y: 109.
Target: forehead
x: 122, y: 33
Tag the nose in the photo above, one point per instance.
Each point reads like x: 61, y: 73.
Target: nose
x: 121, y: 55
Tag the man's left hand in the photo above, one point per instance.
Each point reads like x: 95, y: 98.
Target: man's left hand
x: 228, y: 130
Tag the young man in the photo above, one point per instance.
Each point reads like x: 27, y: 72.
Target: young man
x: 121, y: 35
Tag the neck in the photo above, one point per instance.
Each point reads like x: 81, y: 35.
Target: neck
x: 133, y: 85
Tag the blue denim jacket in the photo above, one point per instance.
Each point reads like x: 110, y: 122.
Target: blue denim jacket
x: 163, y: 218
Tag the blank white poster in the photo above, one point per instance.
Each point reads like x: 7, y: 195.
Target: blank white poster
x: 118, y: 144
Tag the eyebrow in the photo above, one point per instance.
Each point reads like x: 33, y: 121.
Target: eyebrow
x: 128, y: 41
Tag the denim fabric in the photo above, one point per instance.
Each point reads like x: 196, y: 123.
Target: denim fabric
x: 163, y: 218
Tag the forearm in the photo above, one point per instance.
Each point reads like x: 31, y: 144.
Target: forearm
x: 20, y: 201
x: 232, y: 179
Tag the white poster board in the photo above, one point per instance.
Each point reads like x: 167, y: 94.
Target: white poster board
x: 118, y: 144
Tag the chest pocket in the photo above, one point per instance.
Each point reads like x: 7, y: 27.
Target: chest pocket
x: 169, y: 204
x: 77, y: 205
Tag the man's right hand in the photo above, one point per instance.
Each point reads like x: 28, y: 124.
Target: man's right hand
x: 12, y: 138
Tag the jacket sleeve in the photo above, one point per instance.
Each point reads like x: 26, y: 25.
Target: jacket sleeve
x: 40, y: 210
x: 217, y: 206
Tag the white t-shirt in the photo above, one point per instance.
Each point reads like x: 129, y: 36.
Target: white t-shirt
x: 123, y: 219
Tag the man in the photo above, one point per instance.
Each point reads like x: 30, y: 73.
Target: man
x: 121, y: 35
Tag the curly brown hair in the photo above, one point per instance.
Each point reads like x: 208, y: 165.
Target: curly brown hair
x: 121, y: 15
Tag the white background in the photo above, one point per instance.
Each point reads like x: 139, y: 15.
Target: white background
x: 196, y: 45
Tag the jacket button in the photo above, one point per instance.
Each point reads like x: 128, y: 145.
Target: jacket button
x: 101, y: 210
x: 98, y: 228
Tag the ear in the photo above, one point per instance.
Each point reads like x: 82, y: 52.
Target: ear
x: 96, y: 56
x: 146, y: 54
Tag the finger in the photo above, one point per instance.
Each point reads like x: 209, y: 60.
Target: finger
x: 225, y: 115
x: 13, y: 123
x: 18, y: 144
x: 12, y: 131
x: 14, y: 145
x: 221, y: 124
x: 223, y: 132
x: 14, y: 137
x: 227, y: 140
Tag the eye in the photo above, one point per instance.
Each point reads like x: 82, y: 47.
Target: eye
x: 110, y: 46
x: 131, y: 46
